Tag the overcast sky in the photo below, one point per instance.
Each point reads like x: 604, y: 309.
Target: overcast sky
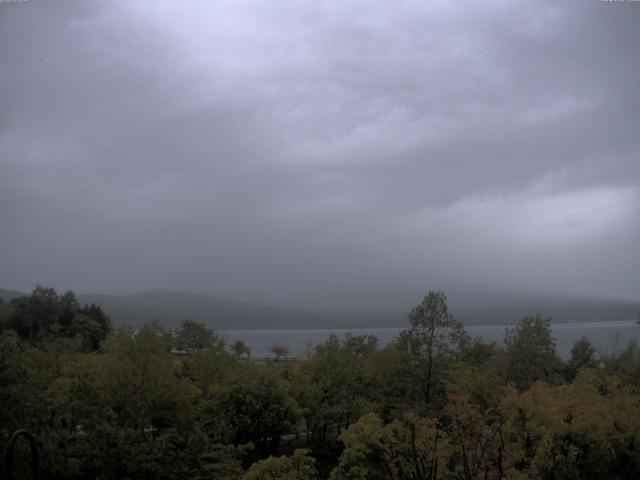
x: 338, y: 154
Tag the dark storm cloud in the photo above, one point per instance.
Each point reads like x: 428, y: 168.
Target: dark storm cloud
x: 327, y: 153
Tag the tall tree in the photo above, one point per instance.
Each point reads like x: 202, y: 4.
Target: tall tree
x: 434, y: 337
x: 583, y: 355
x: 531, y: 352
x: 103, y: 322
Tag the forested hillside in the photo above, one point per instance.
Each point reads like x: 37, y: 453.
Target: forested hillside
x: 150, y: 403
x: 477, y: 306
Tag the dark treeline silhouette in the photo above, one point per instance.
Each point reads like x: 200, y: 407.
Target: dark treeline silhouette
x: 152, y: 403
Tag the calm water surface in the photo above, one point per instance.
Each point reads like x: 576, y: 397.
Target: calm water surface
x: 605, y: 336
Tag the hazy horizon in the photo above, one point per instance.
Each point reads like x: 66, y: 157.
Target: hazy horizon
x: 351, y: 155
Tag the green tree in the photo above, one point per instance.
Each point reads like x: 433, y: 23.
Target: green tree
x: 433, y: 339
x: 300, y: 466
x: 141, y: 383
x: 33, y: 317
x: 335, y: 386
x: 16, y: 371
x: 220, y: 462
x: 258, y: 407
x: 625, y: 363
x: 240, y: 348
x: 193, y: 336
x: 409, y: 448
x: 6, y: 310
x: 583, y: 355
x: 364, y: 454
x: 94, y: 336
x: 531, y: 352
x: 44, y: 314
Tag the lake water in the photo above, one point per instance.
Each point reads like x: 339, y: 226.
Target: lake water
x: 605, y: 336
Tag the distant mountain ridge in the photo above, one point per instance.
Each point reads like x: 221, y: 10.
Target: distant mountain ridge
x: 171, y: 308
x: 485, y: 308
x: 7, y: 295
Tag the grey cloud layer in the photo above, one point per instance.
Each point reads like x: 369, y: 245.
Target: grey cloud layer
x: 333, y: 153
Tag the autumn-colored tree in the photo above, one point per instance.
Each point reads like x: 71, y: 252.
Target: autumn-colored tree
x: 138, y: 410
x: 572, y: 431
x: 280, y: 350
x: 475, y: 447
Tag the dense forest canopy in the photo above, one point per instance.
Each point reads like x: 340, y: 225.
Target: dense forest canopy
x: 153, y: 403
